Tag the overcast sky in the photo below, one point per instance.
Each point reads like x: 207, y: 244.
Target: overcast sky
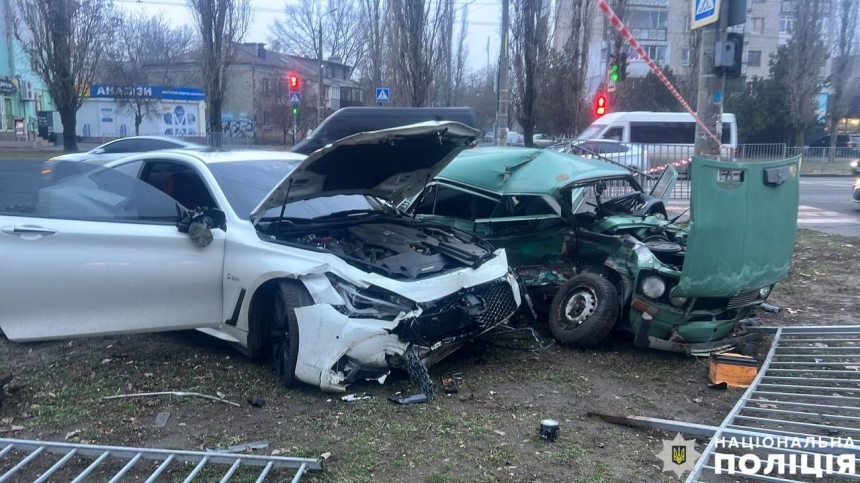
x: 484, y: 18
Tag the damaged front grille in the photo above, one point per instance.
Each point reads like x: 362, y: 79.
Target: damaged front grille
x: 742, y: 299
x: 499, y: 301
x: 461, y: 315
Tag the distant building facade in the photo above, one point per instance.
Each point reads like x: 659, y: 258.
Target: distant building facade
x: 22, y: 93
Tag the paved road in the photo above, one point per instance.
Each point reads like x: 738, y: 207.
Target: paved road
x: 825, y: 203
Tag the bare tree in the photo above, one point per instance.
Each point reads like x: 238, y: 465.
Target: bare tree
x: 462, y: 55
x: 222, y: 25
x: 142, y: 41
x: 530, y: 48
x: 336, y: 23
x: 65, y: 41
x: 373, y: 65
x: 806, y: 55
x: 843, y: 86
x: 417, y: 45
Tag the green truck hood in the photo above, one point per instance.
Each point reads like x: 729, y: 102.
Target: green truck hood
x: 742, y: 228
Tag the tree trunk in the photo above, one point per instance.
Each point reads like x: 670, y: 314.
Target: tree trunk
x: 68, y: 117
x: 215, y: 121
x: 138, y: 119
x: 834, y: 127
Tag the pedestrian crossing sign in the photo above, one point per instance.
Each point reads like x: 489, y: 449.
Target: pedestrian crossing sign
x: 705, y: 12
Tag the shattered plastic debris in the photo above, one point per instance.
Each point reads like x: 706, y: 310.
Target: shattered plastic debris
x: 325, y: 455
x: 356, y: 397
x: 72, y: 434
x: 161, y: 420
x: 257, y: 402
x: 407, y: 400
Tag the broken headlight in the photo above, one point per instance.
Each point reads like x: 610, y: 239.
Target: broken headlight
x: 653, y: 287
x: 369, y: 302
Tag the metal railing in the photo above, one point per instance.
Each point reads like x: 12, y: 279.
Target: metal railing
x: 80, y: 461
x: 805, y: 389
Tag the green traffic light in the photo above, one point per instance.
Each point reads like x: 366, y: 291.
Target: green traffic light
x: 295, y: 110
x: 614, y: 77
x: 614, y: 68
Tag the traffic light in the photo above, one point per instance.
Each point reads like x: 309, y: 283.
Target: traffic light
x: 295, y: 111
x: 613, y: 68
x: 622, y: 66
x: 601, y: 105
x: 293, y: 82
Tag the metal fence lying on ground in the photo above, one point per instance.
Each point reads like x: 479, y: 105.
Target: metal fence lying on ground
x: 806, y: 391
x: 36, y: 456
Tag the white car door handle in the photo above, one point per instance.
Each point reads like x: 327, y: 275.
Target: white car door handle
x: 27, y: 230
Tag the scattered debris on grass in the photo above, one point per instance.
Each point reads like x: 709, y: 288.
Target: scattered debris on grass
x: 549, y: 429
x: 242, y: 448
x: 356, y: 397
x: 161, y: 420
x: 257, y: 402
x: 407, y: 400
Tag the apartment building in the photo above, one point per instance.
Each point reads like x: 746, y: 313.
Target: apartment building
x: 662, y: 27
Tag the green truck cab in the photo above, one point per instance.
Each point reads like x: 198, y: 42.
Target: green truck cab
x: 599, y: 252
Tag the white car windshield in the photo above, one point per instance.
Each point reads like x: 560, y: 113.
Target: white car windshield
x: 246, y: 183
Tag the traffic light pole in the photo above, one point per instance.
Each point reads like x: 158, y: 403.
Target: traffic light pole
x: 295, y: 123
x: 709, y: 98
x: 502, y: 108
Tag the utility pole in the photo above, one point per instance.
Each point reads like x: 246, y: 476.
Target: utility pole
x: 321, y: 86
x: 711, y: 89
x: 502, y: 110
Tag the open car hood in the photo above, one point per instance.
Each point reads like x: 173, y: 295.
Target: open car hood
x: 389, y: 164
x: 743, y: 226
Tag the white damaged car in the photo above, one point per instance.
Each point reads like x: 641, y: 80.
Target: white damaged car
x: 301, y: 261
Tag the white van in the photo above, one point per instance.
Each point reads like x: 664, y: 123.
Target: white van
x: 667, y: 136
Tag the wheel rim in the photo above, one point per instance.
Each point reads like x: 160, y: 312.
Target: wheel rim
x: 280, y: 335
x: 581, y: 304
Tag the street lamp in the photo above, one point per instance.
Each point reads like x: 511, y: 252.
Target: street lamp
x: 322, y: 69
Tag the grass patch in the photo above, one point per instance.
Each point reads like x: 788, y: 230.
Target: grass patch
x: 838, y: 166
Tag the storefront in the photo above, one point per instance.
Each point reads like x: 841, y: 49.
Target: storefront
x: 7, y: 113
x: 108, y: 112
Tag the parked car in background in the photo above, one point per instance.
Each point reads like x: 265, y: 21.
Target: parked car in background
x: 542, y: 140
x: 317, y: 272
x: 845, y: 146
x: 111, y: 151
x: 855, y: 167
x: 597, y: 250
x: 633, y: 156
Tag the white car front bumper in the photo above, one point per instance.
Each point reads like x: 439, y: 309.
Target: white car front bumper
x: 328, y: 338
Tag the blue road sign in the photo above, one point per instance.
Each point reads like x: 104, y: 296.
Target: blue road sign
x: 383, y: 95
x: 295, y: 98
x: 705, y: 12
x: 718, y: 97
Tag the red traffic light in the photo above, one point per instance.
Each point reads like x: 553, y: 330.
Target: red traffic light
x: 293, y: 82
x: 600, y: 105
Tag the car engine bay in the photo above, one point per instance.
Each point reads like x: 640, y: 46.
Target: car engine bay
x: 402, y: 249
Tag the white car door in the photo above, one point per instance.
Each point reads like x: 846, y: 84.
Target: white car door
x: 100, y: 253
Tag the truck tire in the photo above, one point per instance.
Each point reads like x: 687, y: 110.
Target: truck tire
x: 584, y: 311
x: 284, y: 329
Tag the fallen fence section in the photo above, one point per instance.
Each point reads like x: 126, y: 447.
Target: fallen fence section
x: 800, y: 418
x: 182, y: 460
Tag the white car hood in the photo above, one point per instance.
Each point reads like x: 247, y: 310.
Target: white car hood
x: 390, y: 164
x: 71, y: 157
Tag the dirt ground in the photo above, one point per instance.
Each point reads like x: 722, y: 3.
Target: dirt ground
x: 486, y: 432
